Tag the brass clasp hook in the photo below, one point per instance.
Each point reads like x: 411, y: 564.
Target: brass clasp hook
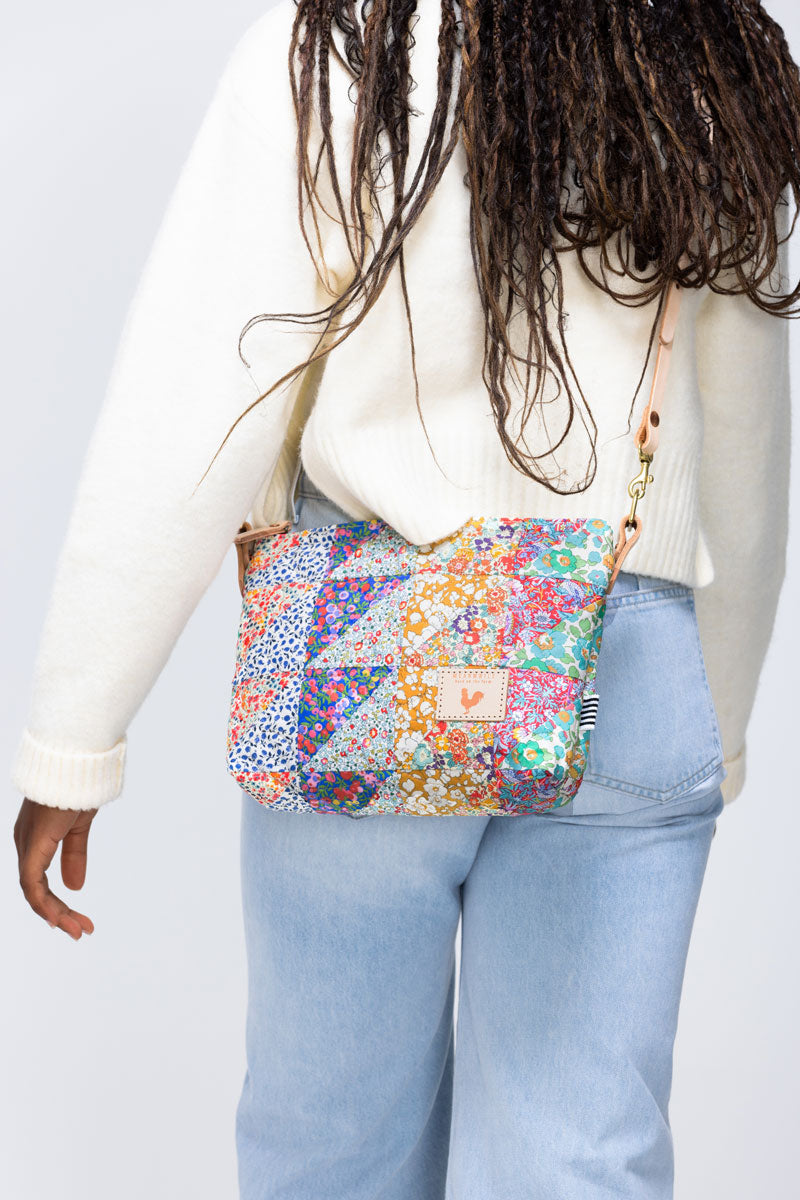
x: 638, y: 486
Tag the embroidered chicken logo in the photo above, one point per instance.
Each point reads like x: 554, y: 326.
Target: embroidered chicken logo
x: 467, y: 701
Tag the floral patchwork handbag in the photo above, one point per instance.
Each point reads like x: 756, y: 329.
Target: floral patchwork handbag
x: 377, y: 676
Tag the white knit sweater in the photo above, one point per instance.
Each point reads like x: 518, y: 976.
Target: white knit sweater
x: 142, y: 546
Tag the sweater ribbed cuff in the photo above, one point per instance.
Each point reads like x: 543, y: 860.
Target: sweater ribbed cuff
x: 733, y: 782
x: 65, y: 779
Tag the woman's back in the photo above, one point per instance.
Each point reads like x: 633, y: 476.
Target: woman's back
x: 364, y: 442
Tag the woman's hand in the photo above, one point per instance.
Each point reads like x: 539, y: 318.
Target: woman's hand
x: 37, y: 833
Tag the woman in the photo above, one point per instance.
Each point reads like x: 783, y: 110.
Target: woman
x: 568, y: 160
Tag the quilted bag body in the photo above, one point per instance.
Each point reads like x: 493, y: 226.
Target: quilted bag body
x: 375, y: 676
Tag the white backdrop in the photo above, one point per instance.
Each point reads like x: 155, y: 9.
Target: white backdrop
x: 122, y: 1055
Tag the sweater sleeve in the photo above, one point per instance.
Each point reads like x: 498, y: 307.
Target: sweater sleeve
x: 143, y: 543
x: 743, y: 368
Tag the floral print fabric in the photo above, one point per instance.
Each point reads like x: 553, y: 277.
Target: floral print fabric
x: 344, y: 630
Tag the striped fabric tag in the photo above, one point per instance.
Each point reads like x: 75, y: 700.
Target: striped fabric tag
x: 589, y: 706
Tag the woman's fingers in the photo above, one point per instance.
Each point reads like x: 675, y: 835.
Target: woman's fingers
x: 73, y: 852
x: 38, y: 832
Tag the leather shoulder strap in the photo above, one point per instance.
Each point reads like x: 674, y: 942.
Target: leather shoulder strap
x: 647, y: 434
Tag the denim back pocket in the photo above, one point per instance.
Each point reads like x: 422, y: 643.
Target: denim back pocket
x: 657, y: 734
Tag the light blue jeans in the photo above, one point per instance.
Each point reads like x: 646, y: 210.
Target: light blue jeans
x: 575, y: 930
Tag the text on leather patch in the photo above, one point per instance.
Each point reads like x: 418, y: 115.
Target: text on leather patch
x: 472, y: 693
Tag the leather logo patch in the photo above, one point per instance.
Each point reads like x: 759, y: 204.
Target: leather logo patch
x: 472, y: 693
